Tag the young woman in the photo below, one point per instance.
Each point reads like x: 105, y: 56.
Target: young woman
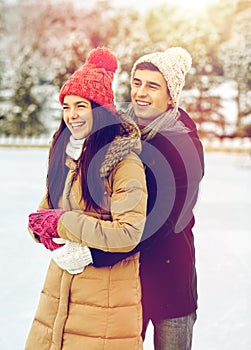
x: 96, y: 197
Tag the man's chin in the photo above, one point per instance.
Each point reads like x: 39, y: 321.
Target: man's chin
x: 148, y: 117
x: 147, y: 113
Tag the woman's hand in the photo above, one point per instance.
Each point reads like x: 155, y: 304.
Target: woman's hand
x: 44, y: 224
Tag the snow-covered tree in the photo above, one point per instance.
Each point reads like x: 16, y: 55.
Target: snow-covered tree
x: 236, y: 57
x: 57, y: 35
x: 23, y: 115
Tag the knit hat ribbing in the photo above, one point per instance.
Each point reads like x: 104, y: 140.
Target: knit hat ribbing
x: 174, y: 63
x: 94, y: 80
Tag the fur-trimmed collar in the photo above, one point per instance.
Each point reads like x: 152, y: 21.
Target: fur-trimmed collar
x: 122, y: 145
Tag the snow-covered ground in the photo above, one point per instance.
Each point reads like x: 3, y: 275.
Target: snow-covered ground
x: 223, y: 242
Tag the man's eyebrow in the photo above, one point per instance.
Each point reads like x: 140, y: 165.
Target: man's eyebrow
x: 152, y: 83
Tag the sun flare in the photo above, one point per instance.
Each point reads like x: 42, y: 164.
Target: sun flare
x: 192, y: 7
x: 195, y: 6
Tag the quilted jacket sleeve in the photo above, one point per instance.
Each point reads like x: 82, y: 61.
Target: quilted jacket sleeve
x: 128, y: 212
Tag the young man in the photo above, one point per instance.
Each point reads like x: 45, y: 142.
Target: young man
x: 173, y: 155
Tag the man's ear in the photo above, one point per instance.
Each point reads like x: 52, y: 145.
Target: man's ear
x: 170, y: 101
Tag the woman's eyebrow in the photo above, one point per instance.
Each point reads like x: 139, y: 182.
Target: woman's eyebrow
x: 85, y: 102
x: 76, y: 103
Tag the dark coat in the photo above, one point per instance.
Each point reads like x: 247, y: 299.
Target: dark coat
x: 174, y: 168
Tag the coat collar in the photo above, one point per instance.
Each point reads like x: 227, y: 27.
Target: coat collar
x: 128, y: 141
x: 122, y: 145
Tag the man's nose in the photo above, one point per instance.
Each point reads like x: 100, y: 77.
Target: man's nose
x: 142, y: 91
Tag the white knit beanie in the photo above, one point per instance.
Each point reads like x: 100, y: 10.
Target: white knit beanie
x: 174, y: 64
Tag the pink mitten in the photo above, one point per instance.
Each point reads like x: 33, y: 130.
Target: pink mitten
x: 44, y: 224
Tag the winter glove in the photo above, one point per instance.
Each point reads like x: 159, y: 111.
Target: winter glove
x: 44, y: 224
x: 72, y: 256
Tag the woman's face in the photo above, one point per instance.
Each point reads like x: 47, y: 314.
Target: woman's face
x: 77, y: 114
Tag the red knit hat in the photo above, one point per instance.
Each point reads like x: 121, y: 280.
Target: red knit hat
x: 94, y: 80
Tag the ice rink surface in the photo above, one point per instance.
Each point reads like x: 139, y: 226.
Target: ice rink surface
x: 223, y: 250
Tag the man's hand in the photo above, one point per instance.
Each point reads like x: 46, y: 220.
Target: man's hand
x: 72, y: 256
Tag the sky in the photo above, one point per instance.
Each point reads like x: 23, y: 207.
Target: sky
x: 141, y: 5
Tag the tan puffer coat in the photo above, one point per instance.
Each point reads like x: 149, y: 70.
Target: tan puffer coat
x: 100, y: 308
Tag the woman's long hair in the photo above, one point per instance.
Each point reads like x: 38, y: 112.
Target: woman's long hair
x: 105, y: 127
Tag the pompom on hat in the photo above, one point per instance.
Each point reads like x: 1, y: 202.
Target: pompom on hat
x: 94, y: 80
x: 174, y: 63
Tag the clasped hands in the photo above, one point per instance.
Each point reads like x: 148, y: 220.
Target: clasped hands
x: 70, y: 256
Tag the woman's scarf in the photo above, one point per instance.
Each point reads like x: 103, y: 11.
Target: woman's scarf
x: 74, y: 148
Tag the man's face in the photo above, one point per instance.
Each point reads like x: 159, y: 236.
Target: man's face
x: 149, y: 95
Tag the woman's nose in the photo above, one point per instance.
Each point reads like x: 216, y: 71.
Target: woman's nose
x: 73, y: 114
